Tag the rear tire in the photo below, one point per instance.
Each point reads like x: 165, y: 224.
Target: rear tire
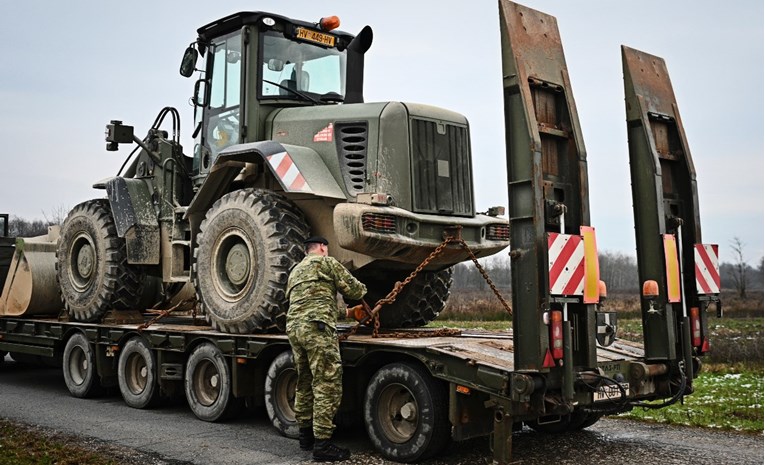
x: 208, y: 384
x: 137, y: 374
x: 281, y: 383
x: 92, y: 268
x: 419, y: 302
x: 405, y: 412
x: 79, y: 367
x: 248, y: 242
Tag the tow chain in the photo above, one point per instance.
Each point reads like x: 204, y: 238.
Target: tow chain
x: 374, y: 313
x: 163, y: 313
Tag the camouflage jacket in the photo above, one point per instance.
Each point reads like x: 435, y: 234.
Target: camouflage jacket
x: 312, y: 290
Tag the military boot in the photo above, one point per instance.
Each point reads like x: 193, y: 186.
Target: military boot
x: 305, y: 436
x: 325, y: 451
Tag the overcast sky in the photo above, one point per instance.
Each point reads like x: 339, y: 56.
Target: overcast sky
x: 70, y: 67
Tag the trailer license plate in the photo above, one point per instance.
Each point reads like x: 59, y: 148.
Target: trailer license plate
x: 610, y: 392
x: 315, y: 36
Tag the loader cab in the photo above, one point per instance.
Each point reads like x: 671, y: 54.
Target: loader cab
x: 255, y: 63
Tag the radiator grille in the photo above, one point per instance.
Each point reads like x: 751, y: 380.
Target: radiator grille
x: 441, y: 171
x: 378, y: 223
x: 352, y: 141
x: 498, y: 232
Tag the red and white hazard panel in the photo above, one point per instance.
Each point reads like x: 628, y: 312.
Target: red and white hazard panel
x: 288, y: 172
x: 566, y: 264
x: 707, y: 269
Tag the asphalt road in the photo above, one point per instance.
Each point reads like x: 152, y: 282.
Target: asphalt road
x: 172, y: 435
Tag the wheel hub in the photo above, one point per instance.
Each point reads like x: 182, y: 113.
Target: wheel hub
x: 408, y: 411
x: 398, y: 413
x: 238, y: 264
x: 85, y: 261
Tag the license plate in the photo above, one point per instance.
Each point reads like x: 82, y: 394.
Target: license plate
x: 315, y: 36
x: 610, y: 393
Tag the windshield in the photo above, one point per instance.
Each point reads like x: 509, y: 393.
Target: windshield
x: 289, y: 66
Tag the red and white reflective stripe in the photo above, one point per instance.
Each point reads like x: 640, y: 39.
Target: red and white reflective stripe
x: 565, y: 253
x: 288, y: 172
x: 707, y: 269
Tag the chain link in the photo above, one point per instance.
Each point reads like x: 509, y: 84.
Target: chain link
x: 374, y: 314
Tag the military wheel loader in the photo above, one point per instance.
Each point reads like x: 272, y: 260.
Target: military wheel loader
x: 285, y: 147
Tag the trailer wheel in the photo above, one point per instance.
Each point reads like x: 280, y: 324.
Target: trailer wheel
x: 418, y: 304
x: 79, y: 367
x: 281, y: 383
x: 405, y: 412
x: 248, y: 242
x: 208, y: 384
x: 137, y: 374
x: 92, y: 268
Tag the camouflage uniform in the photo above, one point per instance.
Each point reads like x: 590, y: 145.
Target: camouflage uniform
x: 311, y: 327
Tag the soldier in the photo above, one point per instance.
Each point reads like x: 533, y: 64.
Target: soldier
x: 311, y: 327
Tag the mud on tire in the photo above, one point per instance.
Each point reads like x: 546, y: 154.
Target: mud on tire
x: 92, y: 268
x: 247, y: 244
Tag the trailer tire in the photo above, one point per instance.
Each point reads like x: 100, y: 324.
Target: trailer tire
x: 406, y: 413
x: 280, y: 385
x: 79, y: 367
x: 137, y: 374
x: 2, y: 357
x: 248, y: 242
x: 419, y: 302
x: 92, y: 268
x: 207, y: 382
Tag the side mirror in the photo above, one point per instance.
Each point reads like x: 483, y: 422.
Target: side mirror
x: 189, y: 61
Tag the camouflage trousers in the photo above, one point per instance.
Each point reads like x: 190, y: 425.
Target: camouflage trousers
x: 320, y: 371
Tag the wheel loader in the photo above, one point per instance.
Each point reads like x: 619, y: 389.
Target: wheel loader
x: 284, y: 147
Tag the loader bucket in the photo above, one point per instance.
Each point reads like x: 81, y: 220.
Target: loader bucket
x: 29, y: 287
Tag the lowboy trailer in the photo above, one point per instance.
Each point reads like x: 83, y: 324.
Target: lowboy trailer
x: 559, y: 369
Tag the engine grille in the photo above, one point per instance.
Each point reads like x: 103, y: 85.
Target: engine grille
x: 378, y: 223
x: 498, y: 232
x: 441, y: 170
x: 352, y: 141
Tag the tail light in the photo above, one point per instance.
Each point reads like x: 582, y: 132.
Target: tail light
x: 556, y: 334
x: 695, y: 327
x: 498, y: 232
x: 375, y: 222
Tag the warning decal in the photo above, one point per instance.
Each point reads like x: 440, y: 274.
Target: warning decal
x: 566, y: 264
x: 707, y: 269
x: 325, y: 135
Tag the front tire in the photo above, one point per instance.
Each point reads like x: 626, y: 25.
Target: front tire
x: 137, y: 374
x: 280, y: 387
x: 248, y: 242
x: 92, y: 268
x: 79, y: 367
x: 208, y: 384
x: 405, y: 411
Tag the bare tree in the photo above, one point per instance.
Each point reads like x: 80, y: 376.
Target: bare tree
x: 740, y: 266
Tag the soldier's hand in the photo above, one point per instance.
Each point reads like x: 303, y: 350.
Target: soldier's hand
x: 357, y: 312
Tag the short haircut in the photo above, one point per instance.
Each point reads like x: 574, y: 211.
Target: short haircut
x: 312, y: 246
